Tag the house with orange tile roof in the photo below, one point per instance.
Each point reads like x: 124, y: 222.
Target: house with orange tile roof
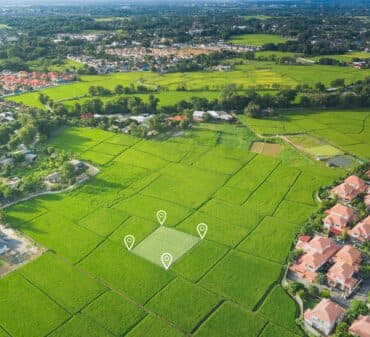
x: 360, y: 327
x: 348, y: 254
x: 349, y: 189
x: 361, y: 232
x: 324, y: 316
x: 317, y: 252
x: 338, y: 217
x: 341, y: 274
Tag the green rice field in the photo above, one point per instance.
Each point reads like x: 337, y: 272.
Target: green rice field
x: 257, y: 39
x: 227, y: 284
x: 252, y: 74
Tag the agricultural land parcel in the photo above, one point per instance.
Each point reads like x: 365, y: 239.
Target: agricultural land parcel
x: 252, y: 74
x: 89, y: 284
x: 346, y: 130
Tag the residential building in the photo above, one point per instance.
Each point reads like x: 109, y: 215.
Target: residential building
x: 317, y: 252
x: 54, y: 177
x: 338, y: 217
x: 360, y: 327
x: 349, y: 189
x: 324, y: 316
x: 341, y: 274
x: 361, y: 232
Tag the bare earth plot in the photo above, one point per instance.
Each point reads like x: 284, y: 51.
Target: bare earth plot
x: 89, y: 284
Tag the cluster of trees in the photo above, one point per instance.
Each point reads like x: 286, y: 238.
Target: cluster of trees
x: 252, y: 103
x: 31, y: 125
x: 119, y: 90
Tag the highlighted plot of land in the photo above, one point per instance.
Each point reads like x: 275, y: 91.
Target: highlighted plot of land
x: 268, y: 149
x: 165, y: 240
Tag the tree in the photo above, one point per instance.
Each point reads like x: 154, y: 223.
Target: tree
x: 5, y: 132
x: 294, y: 255
x: 118, y: 89
x: 339, y: 82
x: 342, y: 330
x: 27, y: 134
x: 67, y: 171
x: 294, y: 287
x: 2, y: 217
x: 357, y: 308
x: 43, y: 98
x: 253, y: 110
x: 313, y: 291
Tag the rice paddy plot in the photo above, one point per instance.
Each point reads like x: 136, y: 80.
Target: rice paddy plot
x: 243, y: 285
x: 257, y: 39
x: 273, y: 330
x: 81, y: 326
x: 281, y: 309
x: 165, y: 240
x: 197, y: 262
x: 136, y: 277
x: 67, y: 286
x: 114, y: 313
x: 183, y: 303
x: 152, y: 326
x: 270, y: 240
x: 234, y: 214
x: 221, y: 231
x: 146, y: 207
x: 240, y: 323
x: 24, y: 299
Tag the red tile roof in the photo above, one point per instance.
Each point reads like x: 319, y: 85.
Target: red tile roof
x: 361, y: 326
x: 326, y: 311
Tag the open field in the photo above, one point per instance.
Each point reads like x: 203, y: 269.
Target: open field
x: 257, y: 39
x: 348, y: 57
x: 252, y: 74
x: 89, y: 284
x: 341, y: 130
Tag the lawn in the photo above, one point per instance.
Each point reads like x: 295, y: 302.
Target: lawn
x: 89, y: 284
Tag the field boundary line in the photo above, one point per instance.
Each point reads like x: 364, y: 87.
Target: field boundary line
x: 287, y: 192
x: 45, y: 294
x: 160, y: 290
x: 207, y: 316
x: 263, y: 328
x: 212, y: 267
x: 261, y: 183
x: 6, y: 331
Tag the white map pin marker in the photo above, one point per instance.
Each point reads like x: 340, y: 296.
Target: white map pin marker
x: 202, y: 229
x: 129, y: 241
x: 166, y: 259
x: 161, y: 216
